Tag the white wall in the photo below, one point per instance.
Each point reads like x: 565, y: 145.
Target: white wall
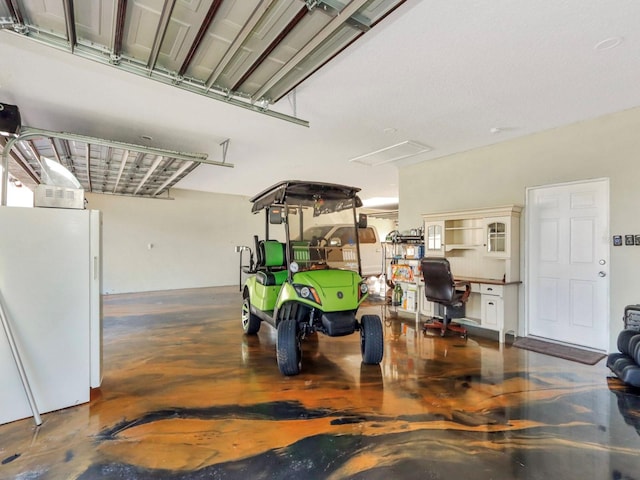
x: 193, y: 238
x: 499, y: 174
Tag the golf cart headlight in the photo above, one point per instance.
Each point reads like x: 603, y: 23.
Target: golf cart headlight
x: 362, y: 290
x: 308, y: 293
x: 294, y: 267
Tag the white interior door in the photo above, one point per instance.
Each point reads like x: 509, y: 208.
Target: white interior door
x: 568, y: 263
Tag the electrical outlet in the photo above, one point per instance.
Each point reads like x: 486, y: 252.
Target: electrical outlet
x: 617, y: 240
x: 629, y: 240
x: 637, y: 239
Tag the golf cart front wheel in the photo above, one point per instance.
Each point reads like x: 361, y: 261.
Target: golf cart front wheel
x: 250, y: 322
x: 371, y: 339
x: 288, y: 348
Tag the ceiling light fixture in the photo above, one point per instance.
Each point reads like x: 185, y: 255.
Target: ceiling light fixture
x: 396, y: 152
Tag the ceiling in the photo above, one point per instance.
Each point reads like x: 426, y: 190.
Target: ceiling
x: 432, y: 77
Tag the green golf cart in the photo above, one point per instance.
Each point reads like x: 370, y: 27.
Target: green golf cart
x: 301, y: 283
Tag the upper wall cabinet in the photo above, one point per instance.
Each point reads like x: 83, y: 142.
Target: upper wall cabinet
x: 497, y: 236
x: 469, y: 236
x: 434, y: 237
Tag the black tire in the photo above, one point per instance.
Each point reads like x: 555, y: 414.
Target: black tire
x: 250, y: 322
x: 371, y: 339
x: 288, y: 348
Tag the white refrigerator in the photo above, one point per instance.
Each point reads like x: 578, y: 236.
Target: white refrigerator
x: 50, y: 286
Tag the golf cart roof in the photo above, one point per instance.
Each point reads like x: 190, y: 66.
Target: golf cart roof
x: 306, y: 194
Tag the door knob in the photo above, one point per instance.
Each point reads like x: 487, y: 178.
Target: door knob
x: 602, y: 261
x: 602, y: 274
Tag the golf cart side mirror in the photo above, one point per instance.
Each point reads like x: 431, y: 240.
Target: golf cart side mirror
x: 275, y: 215
x: 362, y: 220
x: 335, y: 242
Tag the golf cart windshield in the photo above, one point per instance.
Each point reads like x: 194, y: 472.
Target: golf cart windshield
x: 330, y: 243
x: 318, y: 221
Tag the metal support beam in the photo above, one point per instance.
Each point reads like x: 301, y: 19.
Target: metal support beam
x: 225, y: 147
x: 123, y: 162
x: 87, y: 158
x: 327, y: 31
x: 22, y: 162
x: 66, y: 154
x: 97, y: 55
x: 180, y: 171
x: 332, y: 7
x: 277, y: 41
x: 118, y: 32
x: 28, y: 133
x: 33, y: 151
x: 55, y: 151
x: 156, y: 164
x: 71, y: 23
x: 16, y: 13
x: 165, y: 16
x: 204, y: 27
x: 17, y: 157
x: 257, y: 14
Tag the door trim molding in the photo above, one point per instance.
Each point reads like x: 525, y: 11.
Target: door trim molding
x: 524, y: 328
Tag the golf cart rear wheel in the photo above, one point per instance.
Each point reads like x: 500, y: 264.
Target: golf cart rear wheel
x: 250, y: 322
x: 288, y: 348
x: 371, y: 339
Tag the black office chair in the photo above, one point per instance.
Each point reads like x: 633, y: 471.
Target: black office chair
x: 446, y: 293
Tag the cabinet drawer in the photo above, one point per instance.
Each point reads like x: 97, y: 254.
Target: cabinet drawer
x: 475, y: 287
x: 489, y: 289
x: 492, y: 312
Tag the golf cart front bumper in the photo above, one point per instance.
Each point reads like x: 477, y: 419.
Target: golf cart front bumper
x: 337, y: 324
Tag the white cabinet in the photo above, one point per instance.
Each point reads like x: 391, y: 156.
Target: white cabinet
x: 501, y: 236
x: 463, y: 234
x: 482, y: 246
x: 480, y: 243
x: 499, y: 308
x: 496, y: 236
x: 434, y: 237
x: 492, y: 311
x: 492, y: 306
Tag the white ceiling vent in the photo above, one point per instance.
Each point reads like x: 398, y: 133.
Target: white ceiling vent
x: 393, y: 153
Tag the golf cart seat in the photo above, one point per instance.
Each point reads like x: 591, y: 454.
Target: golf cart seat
x: 272, y: 263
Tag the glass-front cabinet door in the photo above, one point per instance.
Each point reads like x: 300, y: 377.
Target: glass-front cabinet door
x: 497, y: 237
x: 433, y: 237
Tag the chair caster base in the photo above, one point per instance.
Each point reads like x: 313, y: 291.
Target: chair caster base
x: 449, y: 327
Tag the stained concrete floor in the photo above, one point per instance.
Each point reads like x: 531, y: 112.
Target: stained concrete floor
x: 187, y: 396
